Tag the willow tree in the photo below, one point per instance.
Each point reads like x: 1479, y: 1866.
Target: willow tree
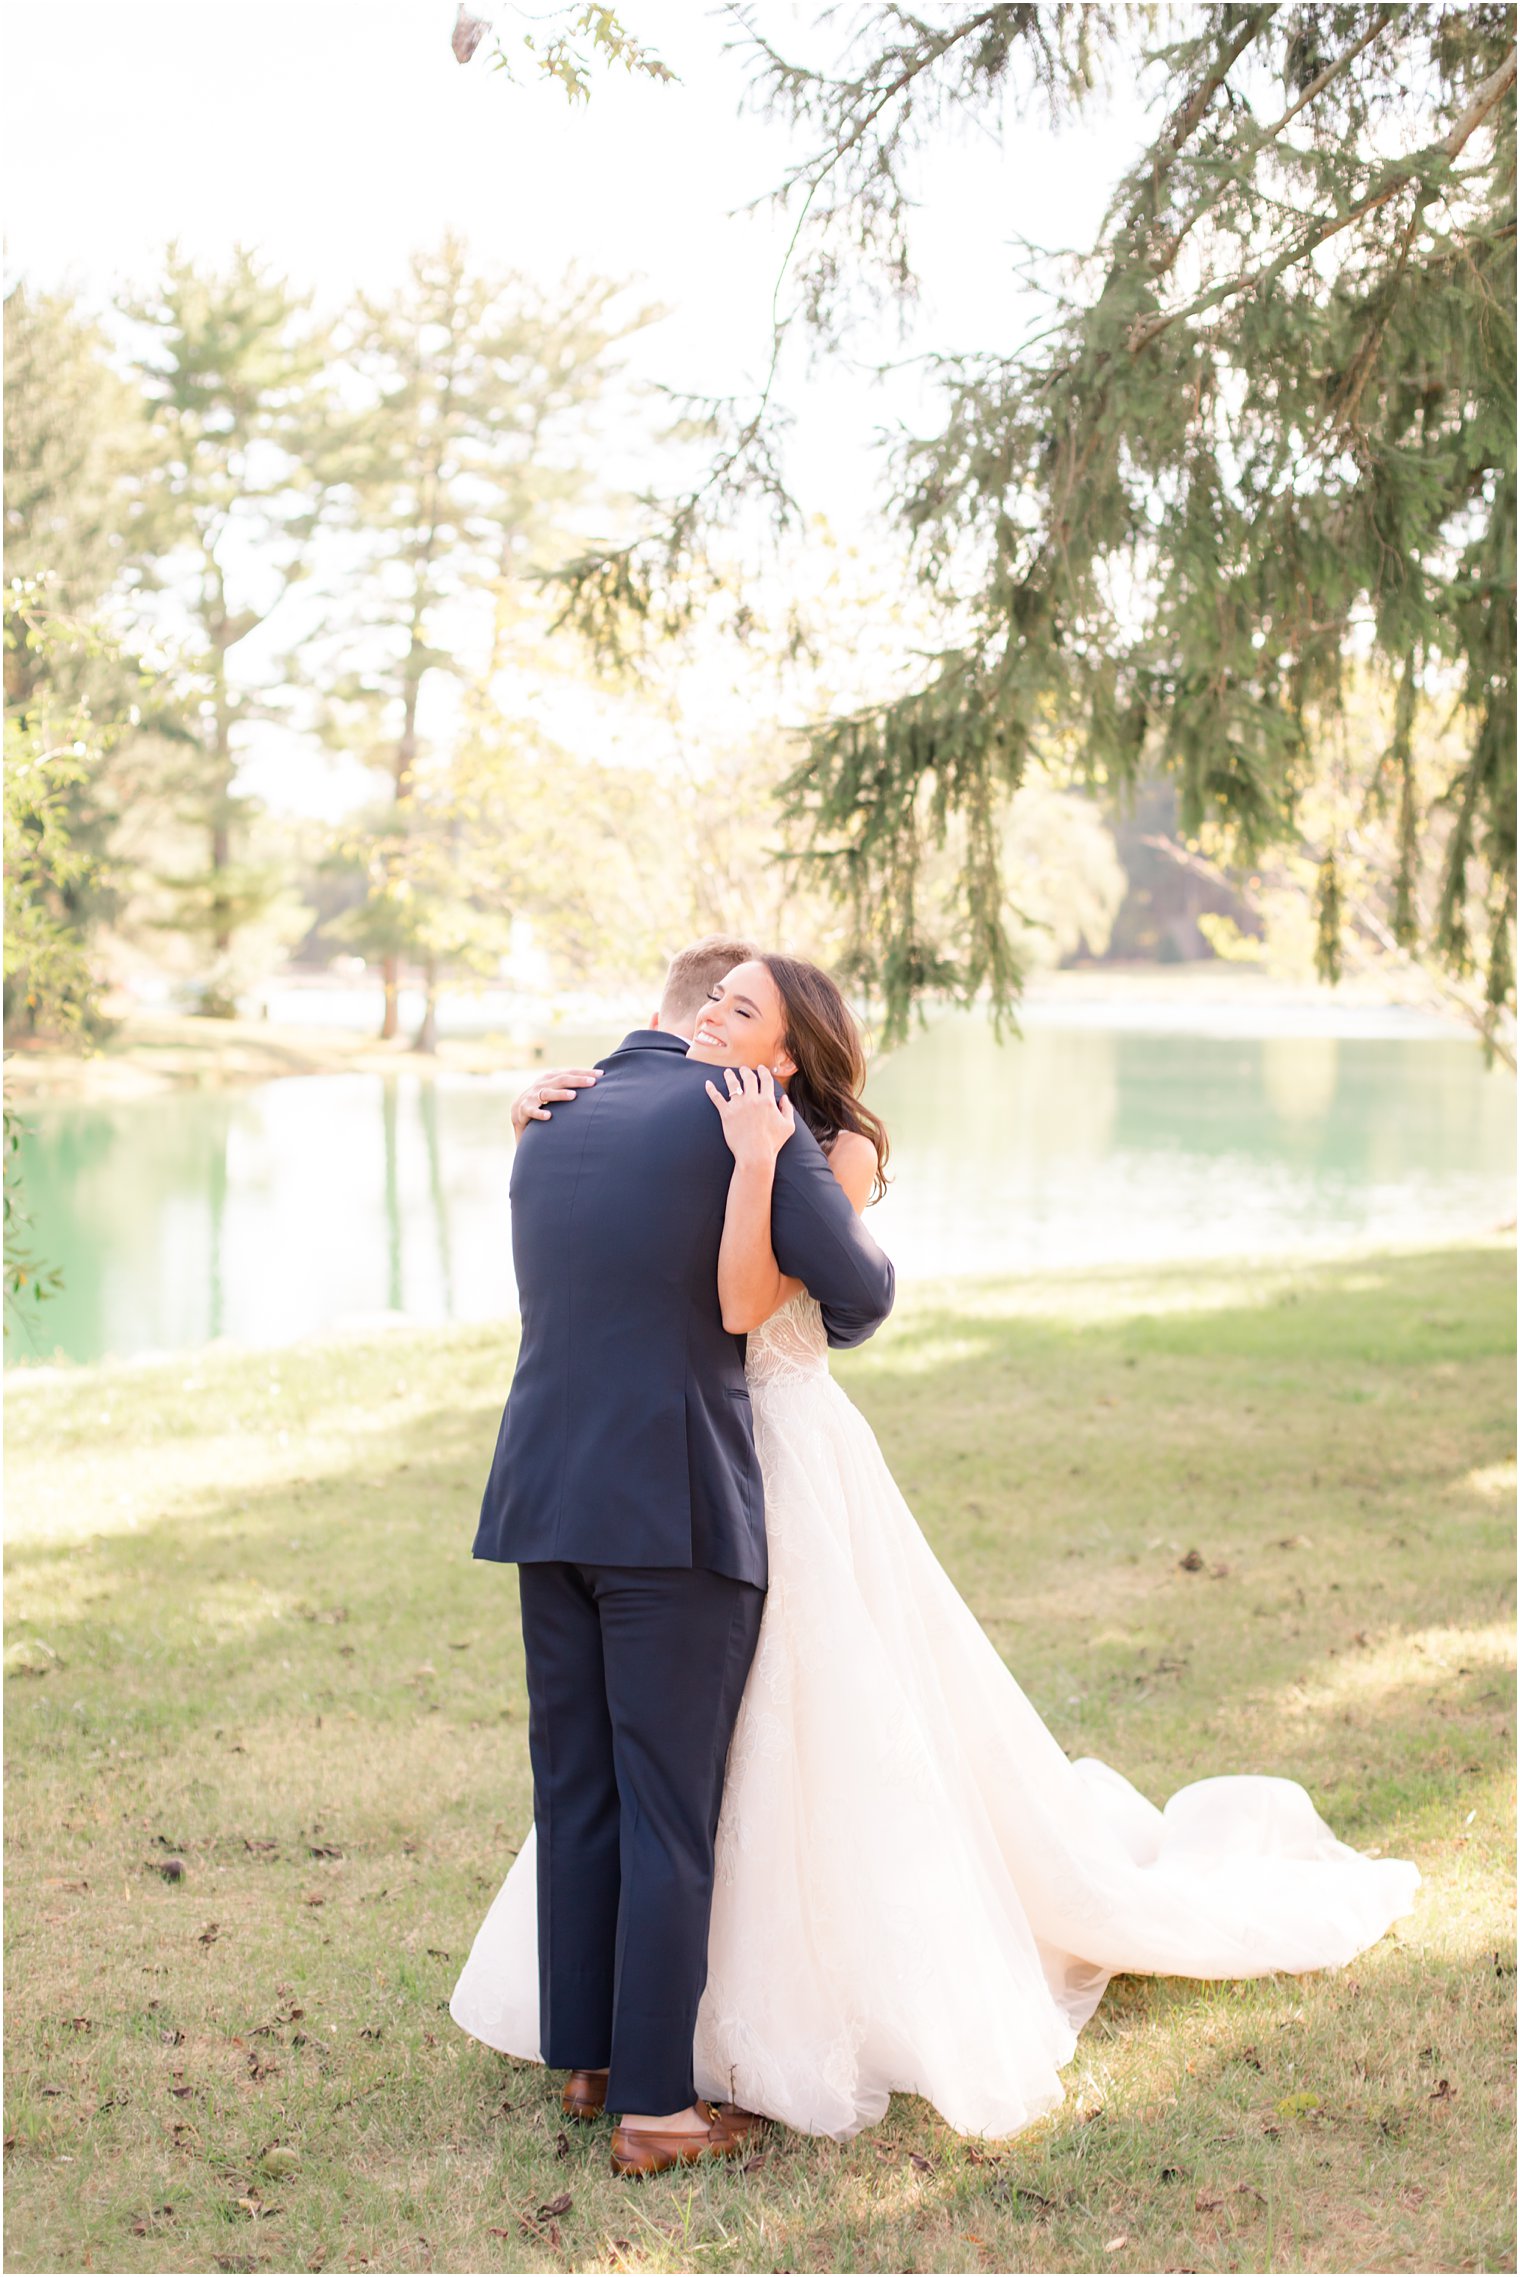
x: 1263, y: 431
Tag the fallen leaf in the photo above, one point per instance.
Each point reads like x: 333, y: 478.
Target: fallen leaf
x: 144, y: 2227
x: 1113, y: 2244
x: 750, y: 2166
x: 1442, y: 2092
x: 924, y: 2165
x: 562, y: 2146
x: 1022, y: 2197
x: 209, y: 1934
x: 1206, y: 2201
x: 559, y: 2205
x: 1190, y: 1562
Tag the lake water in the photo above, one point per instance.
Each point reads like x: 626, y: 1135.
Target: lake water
x: 267, y: 1213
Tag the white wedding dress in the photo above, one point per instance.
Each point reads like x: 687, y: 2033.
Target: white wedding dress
x: 916, y: 1889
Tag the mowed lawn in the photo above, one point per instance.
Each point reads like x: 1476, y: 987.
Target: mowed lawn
x: 246, y: 1635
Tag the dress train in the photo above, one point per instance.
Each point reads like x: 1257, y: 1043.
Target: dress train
x: 916, y: 1889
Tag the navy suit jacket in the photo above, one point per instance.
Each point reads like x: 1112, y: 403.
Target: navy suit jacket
x: 627, y: 1438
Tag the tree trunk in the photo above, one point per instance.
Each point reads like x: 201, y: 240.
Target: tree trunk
x: 216, y: 999
x: 406, y: 753
x: 426, y: 1038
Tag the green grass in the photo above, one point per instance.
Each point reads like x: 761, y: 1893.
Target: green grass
x: 246, y: 1633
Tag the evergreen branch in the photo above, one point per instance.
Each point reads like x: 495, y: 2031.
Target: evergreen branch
x: 1359, y: 371
x: 1492, y: 92
x: 1317, y: 86
x: 932, y: 50
x: 1189, y: 113
x: 1331, y: 72
x: 1398, y: 176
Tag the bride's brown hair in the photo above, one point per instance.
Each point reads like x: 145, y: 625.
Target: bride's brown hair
x: 823, y: 1039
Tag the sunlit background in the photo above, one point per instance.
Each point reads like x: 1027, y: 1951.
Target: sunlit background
x: 1182, y: 1086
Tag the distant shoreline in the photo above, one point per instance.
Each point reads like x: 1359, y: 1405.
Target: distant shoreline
x: 150, y: 1052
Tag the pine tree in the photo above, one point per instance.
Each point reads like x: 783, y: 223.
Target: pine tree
x: 243, y: 461
x: 467, y: 458
x: 1266, y: 427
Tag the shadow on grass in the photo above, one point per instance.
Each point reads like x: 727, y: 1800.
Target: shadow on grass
x: 384, y: 1576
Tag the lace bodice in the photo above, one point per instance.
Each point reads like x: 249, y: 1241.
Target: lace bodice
x: 790, y: 1345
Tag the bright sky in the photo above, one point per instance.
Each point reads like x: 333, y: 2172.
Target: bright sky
x: 338, y: 136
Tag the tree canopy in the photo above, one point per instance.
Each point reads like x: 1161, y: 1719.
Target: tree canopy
x: 1262, y: 434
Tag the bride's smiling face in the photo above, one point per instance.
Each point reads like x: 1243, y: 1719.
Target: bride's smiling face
x: 743, y: 1024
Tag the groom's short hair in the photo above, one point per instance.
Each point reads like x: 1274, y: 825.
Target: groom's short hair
x: 695, y: 972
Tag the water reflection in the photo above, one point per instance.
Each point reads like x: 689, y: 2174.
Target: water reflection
x: 265, y: 1214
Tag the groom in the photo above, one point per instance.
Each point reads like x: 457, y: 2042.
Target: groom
x: 626, y: 1489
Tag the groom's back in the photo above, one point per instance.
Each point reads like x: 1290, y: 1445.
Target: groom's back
x: 627, y: 1438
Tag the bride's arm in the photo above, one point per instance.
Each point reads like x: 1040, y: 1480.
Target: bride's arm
x: 757, y: 1122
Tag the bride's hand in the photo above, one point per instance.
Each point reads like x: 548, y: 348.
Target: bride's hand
x: 757, y: 1118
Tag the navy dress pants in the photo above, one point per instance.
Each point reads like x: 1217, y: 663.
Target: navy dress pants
x: 635, y: 1674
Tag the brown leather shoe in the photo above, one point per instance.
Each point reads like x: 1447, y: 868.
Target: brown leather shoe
x: 585, y: 2095
x: 652, y: 2151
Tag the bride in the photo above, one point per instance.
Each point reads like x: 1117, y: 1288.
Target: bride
x: 916, y: 1890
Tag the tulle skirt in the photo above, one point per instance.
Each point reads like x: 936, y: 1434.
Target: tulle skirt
x: 916, y: 1889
